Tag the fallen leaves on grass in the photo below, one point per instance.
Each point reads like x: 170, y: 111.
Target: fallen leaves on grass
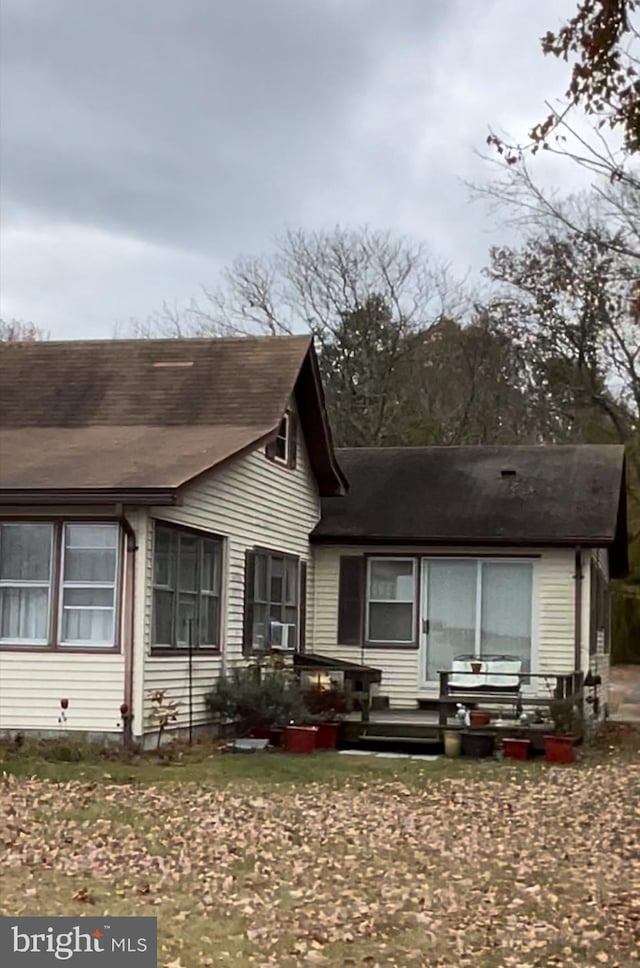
x: 508, y: 867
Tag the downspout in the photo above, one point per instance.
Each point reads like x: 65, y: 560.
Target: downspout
x: 129, y: 637
x: 578, y: 578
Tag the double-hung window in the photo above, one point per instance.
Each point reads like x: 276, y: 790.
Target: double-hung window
x: 26, y: 567
x: 59, y: 584
x: 273, y: 601
x: 88, y: 585
x: 187, y: 576
x: 391, y: 600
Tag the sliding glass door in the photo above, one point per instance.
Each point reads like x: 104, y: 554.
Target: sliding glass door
x: 475, y: 607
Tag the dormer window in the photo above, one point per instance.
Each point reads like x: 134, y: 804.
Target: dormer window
x: 282, y: 449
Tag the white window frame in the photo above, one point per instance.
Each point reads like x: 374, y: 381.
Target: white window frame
x: 478, y: 560
x: 88, y: 643
x: 10, y: 583
x: 391, y: 601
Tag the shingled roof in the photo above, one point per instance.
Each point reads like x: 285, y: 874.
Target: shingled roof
x: 137, y: 415
x: 504, y: 496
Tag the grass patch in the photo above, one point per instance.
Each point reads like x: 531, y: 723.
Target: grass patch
x: 332, y: 860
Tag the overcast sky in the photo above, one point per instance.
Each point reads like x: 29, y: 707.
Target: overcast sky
x: 145, y: 143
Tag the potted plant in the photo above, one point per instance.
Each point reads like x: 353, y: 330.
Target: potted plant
x: 258, y: 699
x: 559, y: 745
x: 480, y: 717
x: 516, y: 748
x: 327, y: 705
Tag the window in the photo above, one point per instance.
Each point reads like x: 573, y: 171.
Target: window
x: 477, y: 608
x: 90, y: 565
x: 283, y: 446
x: 25, y: 583
x: 187, y: 577
x: 70, y: 568
x: 273, y: 601
x: 391, y: 596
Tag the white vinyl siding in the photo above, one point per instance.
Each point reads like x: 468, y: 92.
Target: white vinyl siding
x: 553, y: 615
x: 33, y: 683
x: 252, y: 502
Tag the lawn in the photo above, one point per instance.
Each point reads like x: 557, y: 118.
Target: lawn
x: 332, y: 860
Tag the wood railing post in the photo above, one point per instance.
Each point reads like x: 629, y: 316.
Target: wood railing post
x: 444, y: 692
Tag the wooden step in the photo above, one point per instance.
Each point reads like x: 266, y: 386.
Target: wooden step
x: 397, y: 730
x: 400, y: 740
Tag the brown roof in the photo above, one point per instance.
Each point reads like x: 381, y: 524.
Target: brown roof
x: 128, y: 414
x: 504, y: 496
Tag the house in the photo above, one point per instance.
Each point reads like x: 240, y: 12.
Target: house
x: 168, y: 507
x: 151, y: 493
x: 442, y: 552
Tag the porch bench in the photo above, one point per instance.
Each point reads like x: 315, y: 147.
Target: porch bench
x: 462, y: 684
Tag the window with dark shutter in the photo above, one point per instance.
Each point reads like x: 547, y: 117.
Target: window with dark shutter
x: 292, y: 443
x: 350, y: 599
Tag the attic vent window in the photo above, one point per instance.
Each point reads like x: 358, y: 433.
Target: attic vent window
x: 507, y: 472
x: 282, y: 448
x: 173, y: 363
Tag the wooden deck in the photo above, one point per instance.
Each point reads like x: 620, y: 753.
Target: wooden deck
x: 422, y: 726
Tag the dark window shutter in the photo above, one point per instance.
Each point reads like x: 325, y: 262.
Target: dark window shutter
x: 292, y: 453
x: 249, y: 573
x: 302, y: 609
x: 350, y: 600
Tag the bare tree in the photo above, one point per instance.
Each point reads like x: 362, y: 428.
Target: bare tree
x: 313, y: 278
x: 16, y: 331
x: 570, y: 304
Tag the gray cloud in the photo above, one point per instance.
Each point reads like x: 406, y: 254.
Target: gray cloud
x: 145, y: 144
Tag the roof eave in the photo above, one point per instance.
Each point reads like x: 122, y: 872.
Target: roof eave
x: 330, y: 477
x: 593, y: 541
x: 34, y: 497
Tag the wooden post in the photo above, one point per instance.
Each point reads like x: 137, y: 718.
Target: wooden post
x: 444, y: 692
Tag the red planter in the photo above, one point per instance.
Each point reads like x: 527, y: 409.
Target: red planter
x: 516, y: 749
x: 559, y: 749
x: 300, y: 739
x: 327, y: 736
x: 479, y: 717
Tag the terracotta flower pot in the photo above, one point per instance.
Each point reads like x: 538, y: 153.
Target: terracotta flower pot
x: 516, y: 749
x: 559, y: 749
x: 300, y: 739
x: 476, y: 667
x: 327, y: 736
x: 479, y: 717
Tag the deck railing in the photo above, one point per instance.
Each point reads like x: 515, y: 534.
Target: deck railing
x: 560, y: 691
